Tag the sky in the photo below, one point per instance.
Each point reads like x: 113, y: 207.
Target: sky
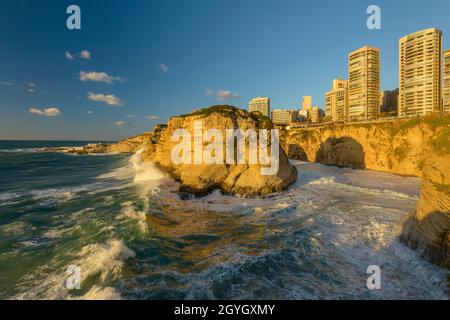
x: 135, y: 63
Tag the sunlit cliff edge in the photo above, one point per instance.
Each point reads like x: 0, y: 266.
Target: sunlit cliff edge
x: 417, y: 147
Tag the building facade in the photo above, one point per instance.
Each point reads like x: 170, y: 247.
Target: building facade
x: 261, y: 104
x: 284, y: 116
x: 420, y: 73
x: 389, y: 103
x: 315, y: 114
x: 446, y: 83
x: 364, y: 84
x: 336, y: 101
x: 306, y: 103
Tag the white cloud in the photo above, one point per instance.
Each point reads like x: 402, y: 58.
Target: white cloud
x: 163, y: 67
x: 223, y: 94
x: 85, y: 55
x: 120, y: 124
x: 130, y: 116
x: 7, y: 83
x: 152, y: 117
x: 30, y: 90
x: 69, y: 56
x: 49, y: 112
x: 99, y: 77
x: 109, y: 99
x: 31, y: 84
x: 90, y: 112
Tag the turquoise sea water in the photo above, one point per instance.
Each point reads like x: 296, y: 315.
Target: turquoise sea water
x: 121, y: 222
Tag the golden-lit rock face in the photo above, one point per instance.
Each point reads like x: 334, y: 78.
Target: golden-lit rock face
x: 419, y: 147
x: 428, y: 228
x: 243, y: 179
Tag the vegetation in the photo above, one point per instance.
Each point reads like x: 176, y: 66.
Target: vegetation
x: 441, y: 143
x: 226, y: 109
x: 401, y: 152
x: 263, y: 122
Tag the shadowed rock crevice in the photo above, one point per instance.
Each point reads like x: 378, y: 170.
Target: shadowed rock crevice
x: 342, y: 152
x: 429, y: 236
x: 296, y: 152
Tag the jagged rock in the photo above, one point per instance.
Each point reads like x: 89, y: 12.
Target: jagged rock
x: 416, y: 147
x: 296, y: 152
x: 243, y: 179
x: 428, y: 227
x: 342, y: 152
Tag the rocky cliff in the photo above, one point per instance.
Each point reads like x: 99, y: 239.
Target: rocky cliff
x: 418, y: 147
x: 243, y: 179
x: 428, y: 228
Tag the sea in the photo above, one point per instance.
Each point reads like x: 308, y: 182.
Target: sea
x: 118, y: 225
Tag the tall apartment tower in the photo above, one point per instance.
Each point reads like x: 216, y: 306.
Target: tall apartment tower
x: 420, y: 73
x: 446, y: 83
x: 336, y: 101
x: 261, y: 104
x: 306, y: 103
x: 364, y: 84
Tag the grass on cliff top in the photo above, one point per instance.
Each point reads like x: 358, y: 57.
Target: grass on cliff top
x: 263, y: 121
x: 226, y: 109
x: 441, y: 143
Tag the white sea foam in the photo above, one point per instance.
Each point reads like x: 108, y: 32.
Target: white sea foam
x: 20, y: 150
x: 102, y: 293
x: 103, y: 260
x: 107, y: 260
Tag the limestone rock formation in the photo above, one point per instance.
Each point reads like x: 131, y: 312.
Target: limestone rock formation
x: 296, y: 152
x: 417, y: 147
x: 342, y: 152
x: 397, y: 147
x: 428, y: 228
x: 243, y: 179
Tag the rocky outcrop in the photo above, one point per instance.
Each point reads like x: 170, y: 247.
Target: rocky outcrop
x: 418, y: 147
x: 296, y: 152
x: 243, y: 179
x: 342, y: 152
x: 428, y: 228
x: 396, y: 147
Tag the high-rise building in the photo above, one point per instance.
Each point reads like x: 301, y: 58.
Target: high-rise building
x: 420, y: 75
x: 306, y: 103
x: 261, y: 104
x: 364, y: 84
x: 336, y: 101
x: 446, y: 83
x: 315, y: 114
x: 389, y: 103
x: 284, y: 116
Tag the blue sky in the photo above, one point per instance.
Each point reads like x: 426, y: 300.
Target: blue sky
x: 210, y: 50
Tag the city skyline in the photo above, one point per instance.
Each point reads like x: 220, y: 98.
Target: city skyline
x: 77, y: 89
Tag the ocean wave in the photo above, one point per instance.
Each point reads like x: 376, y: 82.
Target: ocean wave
x: 102, y: 293
x: 20, y: 150
x: 55, y: 195
x: 105, y: 260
